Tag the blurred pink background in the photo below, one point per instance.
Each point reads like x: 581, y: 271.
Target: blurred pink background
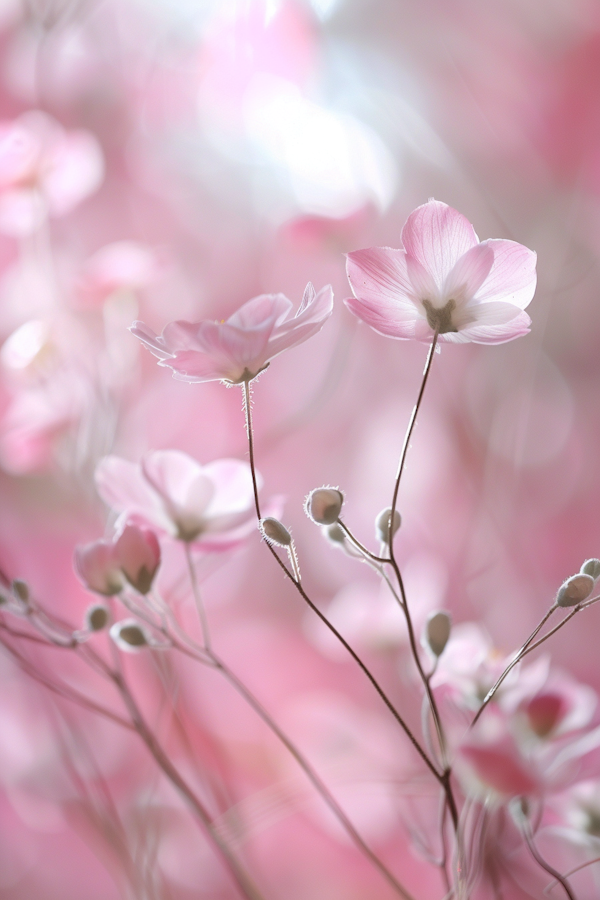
x: 163, y: 160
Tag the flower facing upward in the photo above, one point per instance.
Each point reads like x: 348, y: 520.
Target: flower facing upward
x: 444, y: 280
x: 238, y: 349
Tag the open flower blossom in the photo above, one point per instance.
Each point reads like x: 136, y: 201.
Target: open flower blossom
x: 237, y: 349
x: 444, y: 281
x: 44, y: 170
x: 211, y: 505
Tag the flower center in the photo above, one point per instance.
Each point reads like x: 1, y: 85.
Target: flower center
x: 440, y: 319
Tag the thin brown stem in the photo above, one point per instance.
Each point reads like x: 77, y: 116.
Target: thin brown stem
x: 198, y: 598
x: 439, y: 776
x: 492, y: 691
x: 574, y: 611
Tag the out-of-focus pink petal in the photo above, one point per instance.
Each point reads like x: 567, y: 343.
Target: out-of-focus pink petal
x: 138, y: 553
x: 122, y: 486
x: 195, y: 366
x: 122, y: 265
x: 22, y: 211
x: 512, y: 277
x: 233, y: 485
x: 380, y: 273
x: 172, y: 473
x: 98, y: 568
x: 500, y: 769
x: 437, y: 236
x: 73, y: 171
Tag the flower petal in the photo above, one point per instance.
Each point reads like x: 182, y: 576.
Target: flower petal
x: 387, y: 318
x: 309, y: 320
x: 171, y: 474
x: 469, y: 273
x: 495, y: 324
x: 512, y: 276
x: 261, y: 312
x: 437, y: 236
x: 122, y: 486
x: 380, y: 274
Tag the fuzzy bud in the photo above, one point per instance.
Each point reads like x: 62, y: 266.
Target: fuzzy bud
x: 575, y: 590
x: 97, y: 617
x: 324, y: 505
x: 334, y: 533
x: 437, y: 631
x: 20, y: 590
x: 129, y: 635
x: 591, y: 567
x: 138, y: 553
x: 382, y: 524
x: 274, y: 532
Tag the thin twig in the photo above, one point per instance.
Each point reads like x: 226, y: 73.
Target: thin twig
x: 527, y: 834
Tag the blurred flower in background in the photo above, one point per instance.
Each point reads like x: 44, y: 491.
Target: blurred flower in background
x: 166, y: 161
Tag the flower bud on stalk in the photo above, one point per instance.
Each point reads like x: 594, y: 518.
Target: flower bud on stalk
x: 591, y: 567
x: 382, y: 524
x: 97, y: 617
x: 274, y: 532
x: 437, y: 631
x: 575, y: 590
x: 129, y: 635
x: 324, y: 505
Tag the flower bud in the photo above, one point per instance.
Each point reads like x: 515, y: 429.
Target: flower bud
x: 437, y: 631
x: 324, y: 505
x: 97, y: 617
x: 382, y: 524
x: 274, y: 532
x: 129, y: 635
x: 575, y: 590
x: 334, y: 533
x: 98, y: 568
x: 20, y: 590
x: 138, y: 553
x: 591, y: 567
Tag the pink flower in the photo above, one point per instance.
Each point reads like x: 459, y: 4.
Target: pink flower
x: 120, y: 267
x: 44, y: 170
x: 212, y: 505
x: 443, y: 280
x: 238, y: 349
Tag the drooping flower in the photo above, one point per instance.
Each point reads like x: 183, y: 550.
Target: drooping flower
x: 238, y: 349
x: 443, y: 280
x: 212, y: 505
x: 98, y: 568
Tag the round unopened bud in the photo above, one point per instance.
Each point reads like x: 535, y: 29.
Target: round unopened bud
x: 129, y: 635
x: 382, y: 524
x: 591, y: 567
x: 21, y: 590
x: 97, y: 617
x: 274, y: 532
x: 575, y: 590
x: 437, y: 631
x: 324, y: 505
x: 334, y: 533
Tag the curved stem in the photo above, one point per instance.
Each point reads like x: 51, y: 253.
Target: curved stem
x: 438, y: 775
x: 490, y: 694
x: 527, y: 834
